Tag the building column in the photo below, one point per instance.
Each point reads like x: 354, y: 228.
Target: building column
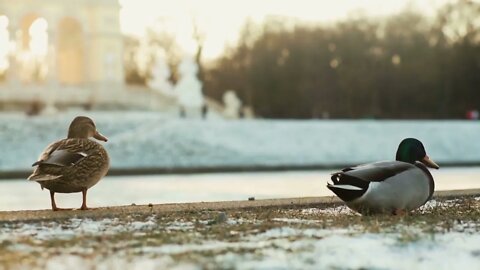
x: 86, y: 46
x: 52, y: 76
x: 13, y: 76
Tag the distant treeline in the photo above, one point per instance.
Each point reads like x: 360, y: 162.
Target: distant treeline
x: 404, y: 66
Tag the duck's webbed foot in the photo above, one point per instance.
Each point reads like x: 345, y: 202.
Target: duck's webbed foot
x: 85, y: 208
x: 61, y: 209
x: 400, y: 212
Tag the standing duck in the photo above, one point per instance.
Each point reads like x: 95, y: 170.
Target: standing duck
x: 390, y: 186
x: 74, y: 164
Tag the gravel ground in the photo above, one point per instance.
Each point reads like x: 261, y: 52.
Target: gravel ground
x: 303, y: 233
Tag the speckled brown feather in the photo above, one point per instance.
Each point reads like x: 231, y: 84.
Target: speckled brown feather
x: 77, y: 177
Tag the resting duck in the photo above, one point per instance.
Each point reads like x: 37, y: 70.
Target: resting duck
x: 390, y: 186
x: 73, y: 164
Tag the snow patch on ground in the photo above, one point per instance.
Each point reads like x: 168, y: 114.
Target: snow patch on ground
x: 331, y: 211
x: 295, y: 220
x: 296, y: 244
x: 179, y: 226
x: 287, y: 248
x: 72, y: 228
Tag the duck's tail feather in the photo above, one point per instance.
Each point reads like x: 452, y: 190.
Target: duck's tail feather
x: 37, y: 163
x: 346, y: 192
x: 43, y: 177
x: 347, y: 187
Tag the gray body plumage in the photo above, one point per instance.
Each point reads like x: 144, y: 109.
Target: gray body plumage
x: 384, y: 187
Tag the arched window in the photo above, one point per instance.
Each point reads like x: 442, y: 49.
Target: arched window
x: 32, y: 54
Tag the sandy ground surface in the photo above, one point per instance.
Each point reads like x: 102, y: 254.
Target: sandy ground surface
x: 298, y: 233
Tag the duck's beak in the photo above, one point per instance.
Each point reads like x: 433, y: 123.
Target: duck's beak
x: 99, y: 136
x: 430, y: 163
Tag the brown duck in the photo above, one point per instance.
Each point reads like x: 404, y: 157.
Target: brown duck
x: 74, y: 164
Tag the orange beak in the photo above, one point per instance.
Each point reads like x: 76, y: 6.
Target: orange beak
x: 430, y: 163
x: 99, y: 136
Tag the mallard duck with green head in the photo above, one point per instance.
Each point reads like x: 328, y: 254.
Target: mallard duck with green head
x: 74, y: 164
x: 390, y: 186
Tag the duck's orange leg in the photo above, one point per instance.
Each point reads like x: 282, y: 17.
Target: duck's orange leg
x: 52, y: 200
x: 54, y: 205
x: 84, y: 200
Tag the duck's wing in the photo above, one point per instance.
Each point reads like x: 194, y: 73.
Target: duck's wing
x: 62, y: 157
x: 375, y: 172
x: 352, y: 182
x: 60, y: 153
x: 47, y: 152
x: 55, y: 155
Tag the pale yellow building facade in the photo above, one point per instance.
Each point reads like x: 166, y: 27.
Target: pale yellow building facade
x: 68, y: 53
x: 63, y: 52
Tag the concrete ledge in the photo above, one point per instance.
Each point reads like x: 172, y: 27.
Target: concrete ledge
x: 159, y: 209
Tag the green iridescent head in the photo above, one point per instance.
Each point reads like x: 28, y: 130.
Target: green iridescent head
x: 411, y: 150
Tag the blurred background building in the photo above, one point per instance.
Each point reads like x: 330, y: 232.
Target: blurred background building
x: 61, y: 52
x: 58, y: 54
x: 291, y: 59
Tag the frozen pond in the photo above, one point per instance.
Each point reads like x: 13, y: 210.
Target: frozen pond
x: 125, y: 190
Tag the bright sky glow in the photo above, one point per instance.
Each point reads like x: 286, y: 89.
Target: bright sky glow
x: 4, y: 43
x: 38, y: 37
x: 221, y: 20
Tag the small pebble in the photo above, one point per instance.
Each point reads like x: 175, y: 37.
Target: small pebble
x: 220, y: 218
x: 150, y: 205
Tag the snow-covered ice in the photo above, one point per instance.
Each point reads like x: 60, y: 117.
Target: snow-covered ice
x: 150, y: 139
